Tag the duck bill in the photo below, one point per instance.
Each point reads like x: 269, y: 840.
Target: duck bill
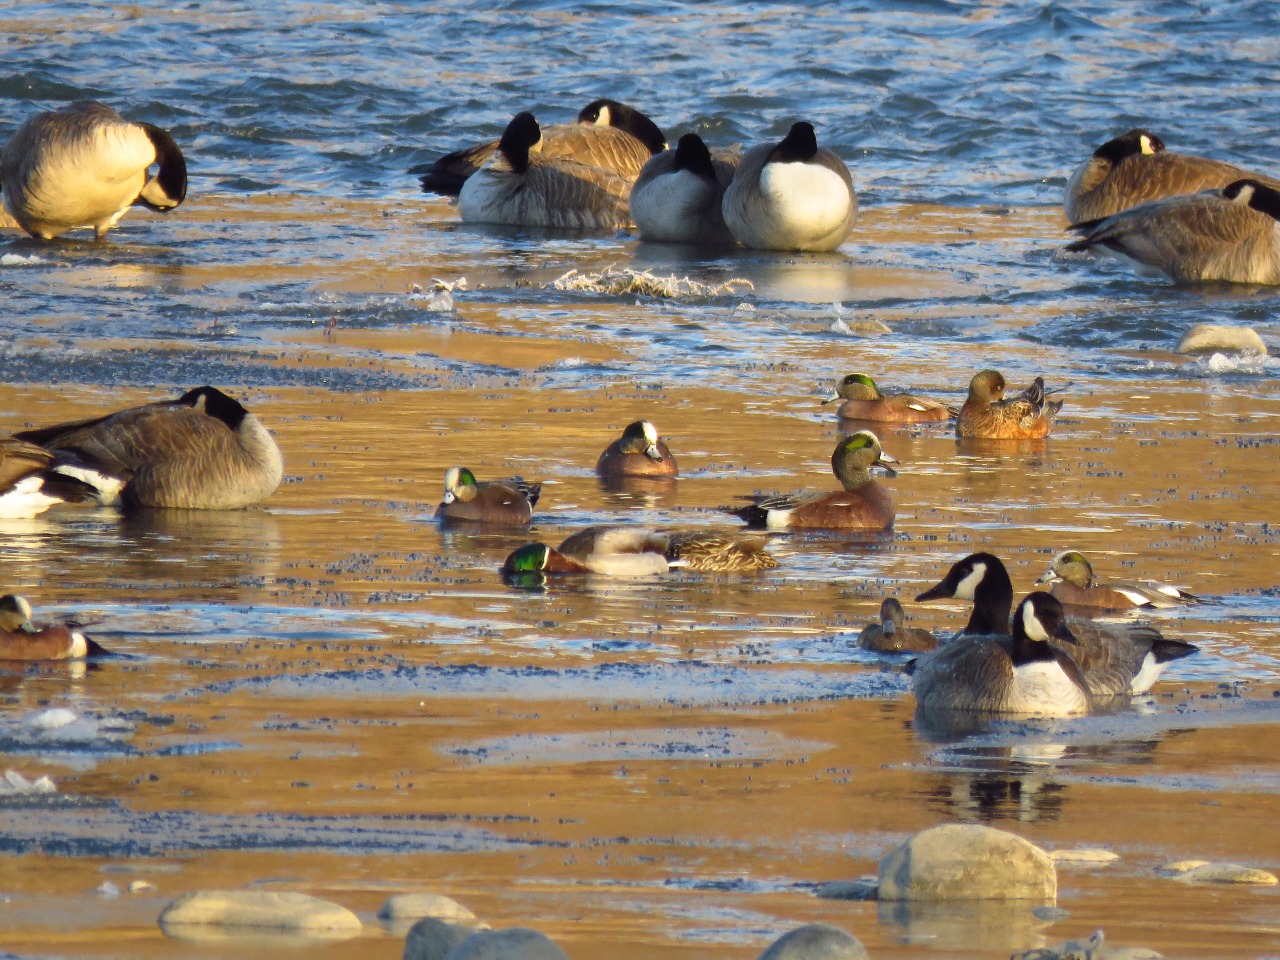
x: 885, y: 463
x: 652, y: 452
x: 1049, y: 577
x: 831, y: 399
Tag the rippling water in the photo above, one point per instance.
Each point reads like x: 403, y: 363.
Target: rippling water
x: 336, y: 692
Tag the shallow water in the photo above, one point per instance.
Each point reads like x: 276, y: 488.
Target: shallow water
x: 334, y: 694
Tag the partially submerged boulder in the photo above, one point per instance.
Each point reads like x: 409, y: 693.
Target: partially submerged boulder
x: 415, y: 906
x: 1222, y: 338
x: 517, y: 943
x: 432, y: 938
x: 967, y: 862
x: 1202, y: 871
x: 259, y: 910
x: 816, y: 941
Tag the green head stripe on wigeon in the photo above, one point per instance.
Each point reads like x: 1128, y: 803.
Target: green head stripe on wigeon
x: 465, y: 478
x: 1072, y: 556
x: 861, y: 378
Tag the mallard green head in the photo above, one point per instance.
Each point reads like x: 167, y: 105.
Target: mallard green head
x: 531, y: 558
x: 459, y: 484
x: 15, y: 613
x: 641, y: 437
x: 856, y: 386
x: 855, y: 455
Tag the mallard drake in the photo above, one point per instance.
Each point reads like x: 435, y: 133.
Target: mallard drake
x: 84, y: 165
x: 640, y: 551
x: 20, y: 639
x: 863, y: 504
x: 1230, y: 235
x: 203, y: 450
x: 500, y: 502
x: 791, y: 195
x: 30, y: 484
x: 892, y: 635
x: 1135, y: 168
x: 864, y: 401
x: 988, y: 415
x: 639, y: 452
x: 677, y: 197
x: 1071, y: 579
x: 520, y: 186
x: 608, y: 134
x: 1020, y: 672
x: 1116, y: 660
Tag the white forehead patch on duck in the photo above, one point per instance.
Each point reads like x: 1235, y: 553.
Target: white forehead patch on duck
x: 650, y: 433
x: 967, y: 585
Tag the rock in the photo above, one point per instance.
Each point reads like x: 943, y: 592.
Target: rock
x: 816, y: 941
x: 433, y: 938
x: 1215, y: 337
x: 1200, y: 871
x: 141, y: 886
x: 415, y: 906
x: 864, y: 888
x: 967, y: 862
x: 1092, y: 949
x: 517, y: 943
x: 1084, y: 856
x: 259, y: 909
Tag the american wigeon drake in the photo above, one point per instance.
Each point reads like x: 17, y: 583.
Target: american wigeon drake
x: 639, y: 452
x: 1135, y: 168
x: 203, y: 450
x: 521, y: 186
x: 30, y: 484
x: 20, y: 639
x: 84, y: 165
x: 1117, y: 660
x: 1230, y: 235
x: 1071, y: 578
x: 863, y: 504
x: 608, y: 134
x: 640, y: 551
x: 1020, y: 672
x: 791, y: 195
x: 892, y: 635
x: 677, y: 197
x: 507, y: 502
x: 988, y: 415
x: 864, y: 401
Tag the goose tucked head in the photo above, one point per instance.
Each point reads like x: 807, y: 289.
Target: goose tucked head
x: 641, y: 437
x: 611, y: 113
x: 856, y: 386
x: 1251, y: 193
x: 987, y: 386
x: 522, y: 137
x: 459, y: 484
x: 798, y: 146
x: 168, y: 188
x: 692, y: 155
x: 215, y: 403
x: 1135, y: 143
x: 855, y: 455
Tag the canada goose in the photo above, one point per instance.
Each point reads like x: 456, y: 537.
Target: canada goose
x: 499, y: 502
x: 639, y: 452
x: 1071, y: 579
x: 1018, y: 672
x: 791, y: 195
x: 202, y: 451
x: 1230, y: 235
x: 20, y: 639
x: 892, y: 635
x: 521, y: 187
x: 863, y: 504
x: 640, y: 551
x: 988, y: 415
x: 1136, y: 168
x: 608, y: 134
x: 84, y: 166
x: 30, y: 482
x: 864, y: 401
x: 677, y: 197
x: 1116, y: 660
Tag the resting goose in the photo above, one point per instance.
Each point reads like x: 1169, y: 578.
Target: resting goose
x: 677, y: 197
x: 84, y: 166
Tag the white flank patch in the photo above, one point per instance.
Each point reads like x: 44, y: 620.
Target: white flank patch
x: 79, y: 645
x: 1043, y: 688
x: 777, y: 519
x: 1134, y: 596
x: 108, y: 487
x: 26, y: 499
x: 805, y: 195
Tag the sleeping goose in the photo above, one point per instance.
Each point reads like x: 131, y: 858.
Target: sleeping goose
x: 1136, y: 168
x: 1016, y: 672
x: 519, y: 186
x: 608, y: 134
x: 791, y: 195
x: 84, y: 166
x: 677, y: 197
x: 1229, y: 235
x: 30, y: 483
x: 201, y: 451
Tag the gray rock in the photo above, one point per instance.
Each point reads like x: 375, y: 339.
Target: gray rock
x: 517, y: 943
x: 864, y: 888
x: 967, y: 862
x: 816, y: 941
x: 1218, y: 337
x: 433, y: 938
x: 1084, y: 856
x: 259, y: 909
x: 415, y: 906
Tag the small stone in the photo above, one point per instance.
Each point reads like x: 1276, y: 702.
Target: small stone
x: 967, y: 862
x: 1180, y: 866
x: 415, y: 906
x: 1050, y: 914
x: 1216, y: 337
x: 291, y: 912
x: 864, y: 888
x: 108, y: 889
x: 1227, y: 873
x: 433, y: 938
x: 141, y: 886
x: 1084, y: 856
x: 517, y: 943
x: 816, y: 941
